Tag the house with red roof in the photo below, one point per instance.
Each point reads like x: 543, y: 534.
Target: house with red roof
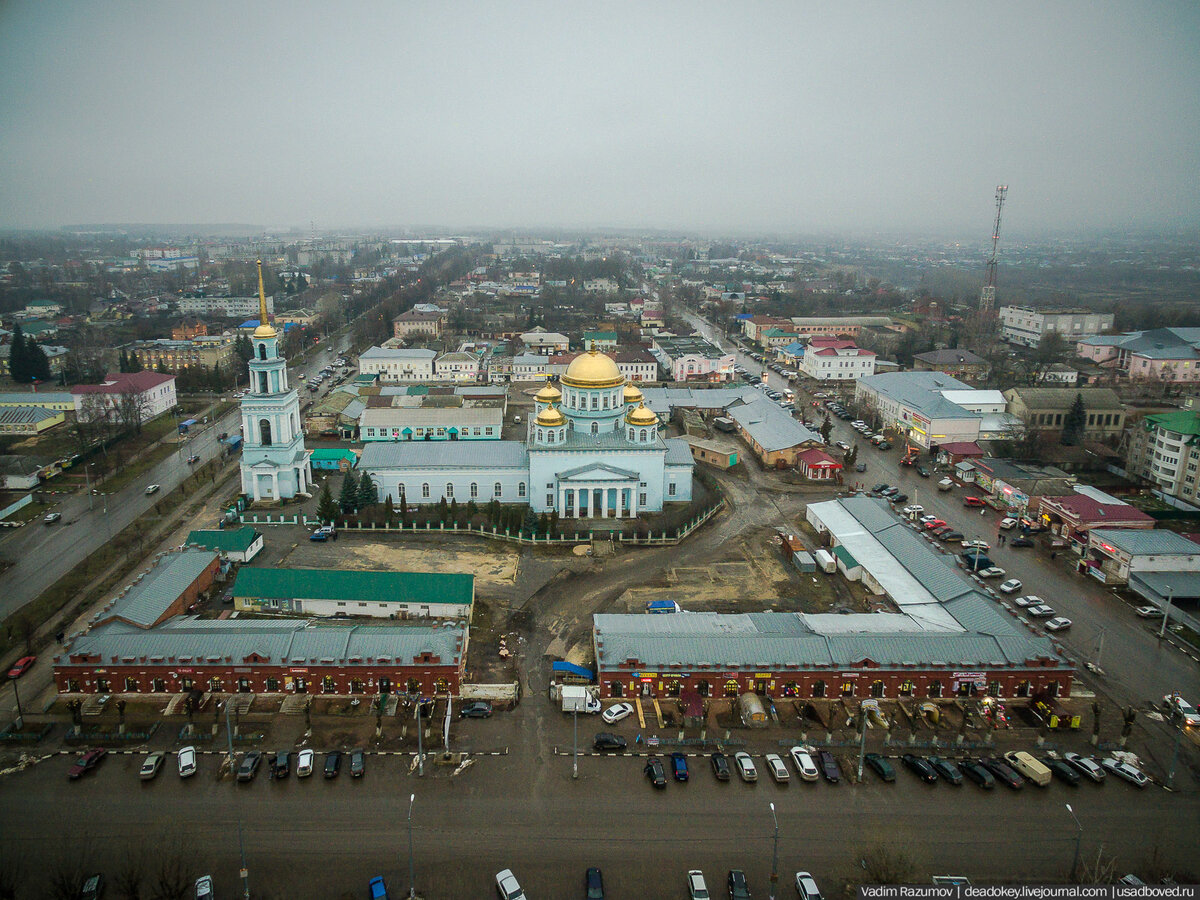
x: 150, y: 394
x: 829, y: 359
x: 1075, y: 515
x: 817, y: 465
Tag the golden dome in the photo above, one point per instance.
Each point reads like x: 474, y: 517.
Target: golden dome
x: 593, y: 370
x: 641, y: 416
x: 548, y: 394
x: 632, y: 394
x: 550, y: 417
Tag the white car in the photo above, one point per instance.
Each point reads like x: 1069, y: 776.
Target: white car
x: 507, y: 885
x: 152, y: 489
x: 1132, y: 774
x: 1031, y: 600
x: 617, y: 712
x: 187, y: 762
x: 1149, y: 612
x: 804, y: 764
x: 304, y: 763
x: 991, y: 572
x: 976, y: 545
x: 776, y: 767
x: 150, y: 766
x: 1041, y: 611
x: 1007, y: 522
x: 1183, y: 709
x: 913, y: 510
x: 1086, y: 765
x: 1011, y: 586
x: 926, y: 519
x: 1058, y: 623
x: 842, y: 445
x: 806, y: 887
x: 745, y: 766
x: 697, y: 889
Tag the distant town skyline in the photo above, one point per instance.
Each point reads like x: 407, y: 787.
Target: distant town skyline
x: 750, y: 120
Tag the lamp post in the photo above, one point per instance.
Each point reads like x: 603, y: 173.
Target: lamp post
x: 1166, y: 612
x: 774, y: 855
x: 20, y: 723
x: 420, y: 745
x: 575, y: 749
x: 1078, y: 840
x: 412, y: 889
x: 87, y: 474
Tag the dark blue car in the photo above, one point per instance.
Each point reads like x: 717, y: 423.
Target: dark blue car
x: 679, y: 766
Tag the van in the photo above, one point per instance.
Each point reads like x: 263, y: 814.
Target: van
x: 945, y: 484
x: 1029, y: 767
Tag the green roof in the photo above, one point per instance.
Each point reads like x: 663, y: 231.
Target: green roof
x: 1183, y: 422
x: 333, y: 453
x: 845, y: 556
x: 339, y: 584
x: 599, y: 335
x: 236, y: 540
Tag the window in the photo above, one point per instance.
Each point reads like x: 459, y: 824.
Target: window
x: 641, y: 499
x: 521, y: 489
x: 671, y: 489
x: 264, y: 432
x: 474, y: 490
x: 425, y: 490
x: 541, y: 435
x: 550, y: 500
x: 496, y: 490
x: 595, y: 428
x: 595, y: 404
x: 449, y: 490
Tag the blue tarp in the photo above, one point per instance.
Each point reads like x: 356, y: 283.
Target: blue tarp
x: 571, y: 668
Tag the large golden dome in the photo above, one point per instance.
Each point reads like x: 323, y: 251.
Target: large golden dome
x: 548, y: 394
x: 551, y: 417
x: 593, y: 370
x: 641, y: 416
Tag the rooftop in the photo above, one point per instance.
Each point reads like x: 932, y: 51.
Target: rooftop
x: 1064, y: 398
x: 349, y: 584
x: 223, y: 540
x: 150, y: 596
x: 1182, y: 422
x: 1142, y: 542
x: 771, y: 427
x: 444, y: 455
x: 951, y: 357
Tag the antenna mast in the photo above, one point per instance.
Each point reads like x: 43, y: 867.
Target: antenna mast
x: 987, y: 296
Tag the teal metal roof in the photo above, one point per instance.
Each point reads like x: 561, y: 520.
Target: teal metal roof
x: 350, y: 585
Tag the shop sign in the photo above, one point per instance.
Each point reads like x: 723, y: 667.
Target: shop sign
x: 762, y: 674
x: 185, y: 671
x: 298, y: 671
x: 645, y: 676
x: 849, y: 675
x: 100, y: 671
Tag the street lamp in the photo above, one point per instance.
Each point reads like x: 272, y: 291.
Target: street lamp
x: 775, y: 855
x: 1078, y: 839
x: 20, y: 723
x: 412, y: 890
x: 575, y: 749
x: 1166, y: 612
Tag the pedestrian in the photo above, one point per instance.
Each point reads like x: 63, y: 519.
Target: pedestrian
x: 983, y: 511
x: 637, y: 740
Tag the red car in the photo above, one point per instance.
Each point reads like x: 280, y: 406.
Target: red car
x: 86, y: 763
x: 936, y: 523
x: 21, y: 666
x: 972, y: 501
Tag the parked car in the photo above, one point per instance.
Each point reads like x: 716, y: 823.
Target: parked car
x: 150, y: 765
x: 1040, y: 611
x: 21, y: 666
x: 1003, y: 772
x: 829, y: 767
x: 806, y: 887
x: 605, y: 741
x: 617, y: 712
x: 679, y: 767
x: 304, y: 763
x: 991, y: 572
x: 720, y: 766
x: 978, y: 774
x: 1085, y: 765
x: 697, y: 888
x: 1027, y: 601
x: 249, y: 765
x: 880, y: 766
x: 1020, y: 542
x: 914, y: 509
x: 776, y: 767
x: 1061, y: 770
x: 976, y: 545
x: 973, y: 501
x: 593, y: 884
x: 920, y: 767
x: 358, y: 762
x: 880, y: 488
x: 1149, y: 612
x: 932, y: 522
x: 1128, y: 772
x: 1011, y: 586
x: 187, y: 762
x: 86, y: 763
x: 804, y: 764
x: 204, y: 888
x: 51, y: 518
x: 738, y: 888
x: 508, y: 886
x: 152, y: 489
x: 654, y: 771
x: 950, y: 536
x: 333, y: 763
x: 745, y: 766
x: 860, y: 467
x: 898, y: 498
x: 478, y: 709
x: 377, y: 888
x: 1007, y: 522
x: 1058, y: 623
x: 946, y: 770
x: 923, y: 471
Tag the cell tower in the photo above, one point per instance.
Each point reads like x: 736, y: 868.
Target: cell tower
x: 987, y: 296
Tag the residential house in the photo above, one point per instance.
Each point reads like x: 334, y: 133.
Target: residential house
x: 151, y: 394
x: 958, y: 363
x: 1169, y: 355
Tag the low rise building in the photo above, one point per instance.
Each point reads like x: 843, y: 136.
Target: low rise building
x: 223, y: 307
x: 28, y: 420
x: 63, y: 401
x: 711, y: 452
x: 177, y: 356
x: 1026, y: 326
x: 817, y: 465
x: 343, y: 592
x: 1016, y: 487
x: 1163, y: 355
x: 836, y: 360
x: 693, y: 359
x: 604, y: 341
x: 836, y: 326
x: 540, y: 341
x: 415, y: 322
x: 397, y: 365
x: 431, y: 423
x: 457, y: 366
x: 1073, y: 516
x: 1046, y: 409
x: 915, y: 405
x: 174, y: 582
x: 132, y: 395
x: 776, y: 438
x: 958, y: 363
x: 1149, y: 561
x: 235, y: 544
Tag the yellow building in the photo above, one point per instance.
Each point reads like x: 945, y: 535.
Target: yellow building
x: 175, y: 356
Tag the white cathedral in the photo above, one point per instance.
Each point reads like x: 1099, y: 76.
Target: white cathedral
x: 275, y: 464
x: 593, y: 450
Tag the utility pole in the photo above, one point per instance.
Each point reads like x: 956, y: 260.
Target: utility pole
x: 1078, y: 840
x: 575, y: 751
x: 20, y: 722
x: 420, y: 745
x: 1166, y: 613
x: 774, y: 855
x: 862, y: 742
x: 412, y: 884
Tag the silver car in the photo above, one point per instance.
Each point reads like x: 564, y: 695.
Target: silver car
x: 745, y: 766
x: 1085, y: 765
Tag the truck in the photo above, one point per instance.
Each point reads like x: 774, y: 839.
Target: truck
x: 1029, y: 767
x: 825, y: 561
x: 945, y: 484
x: 662, y: 606
x: 577, y: 698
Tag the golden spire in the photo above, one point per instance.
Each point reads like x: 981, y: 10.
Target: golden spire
x: 264, y: 329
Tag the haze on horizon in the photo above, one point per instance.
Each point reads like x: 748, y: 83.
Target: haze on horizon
x: 790, y: 118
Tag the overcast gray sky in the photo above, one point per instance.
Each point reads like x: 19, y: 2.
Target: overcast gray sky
x: 788, y: 116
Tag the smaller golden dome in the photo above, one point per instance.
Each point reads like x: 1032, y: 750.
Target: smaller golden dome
x: 632, y: 394
x: 551, y: 417
x: 548, y: 394
x: 641, y: 416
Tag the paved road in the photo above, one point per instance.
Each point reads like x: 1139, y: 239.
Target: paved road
x: 43, y: 554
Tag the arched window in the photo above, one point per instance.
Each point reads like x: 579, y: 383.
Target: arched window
x: 521, y: 489
x: 264, y: 432
x: 425, y: 490
x: 262, y: 383
x: 643, y: 434
x: 595, y: 428
x: 496, y: 491
x: 262, y: 351
x: 474, y: 490
x: 631, y: 434
x: 449, y: 490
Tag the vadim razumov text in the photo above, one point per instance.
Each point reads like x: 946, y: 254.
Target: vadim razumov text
x: 1028, y: 892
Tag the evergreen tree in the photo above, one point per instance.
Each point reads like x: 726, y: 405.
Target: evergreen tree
x: 443, y: 509
x: 529, y: 522
x: 367, y: 492
x: 123, y: 361
x: 135, y: 363
x: 543, y: 524
x: 327, y: 510
x: 554, y: 523
x: 38, y: 366
x: 826, y: 429
x: 850, y: 458
x: 1074, y: 422
x: 18, y: 366
x: 472, y: 510
x: 244, y: 347
x: 389, y: 510
x: 348, y: 498
x: 454, y: 511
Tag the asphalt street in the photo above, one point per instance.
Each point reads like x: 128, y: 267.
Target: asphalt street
x: 43, y: 554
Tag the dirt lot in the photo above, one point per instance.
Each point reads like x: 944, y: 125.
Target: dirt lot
x: 491, y: 564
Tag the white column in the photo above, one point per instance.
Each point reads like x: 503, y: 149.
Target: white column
x: 619, y: 489
x: 603, y: 503
x: 633, y: 503
x: 275, y: 484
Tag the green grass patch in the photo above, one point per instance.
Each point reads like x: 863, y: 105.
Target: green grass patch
x: 135, y: 470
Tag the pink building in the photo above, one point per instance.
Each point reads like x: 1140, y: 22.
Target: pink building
x: 1164, y: 354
